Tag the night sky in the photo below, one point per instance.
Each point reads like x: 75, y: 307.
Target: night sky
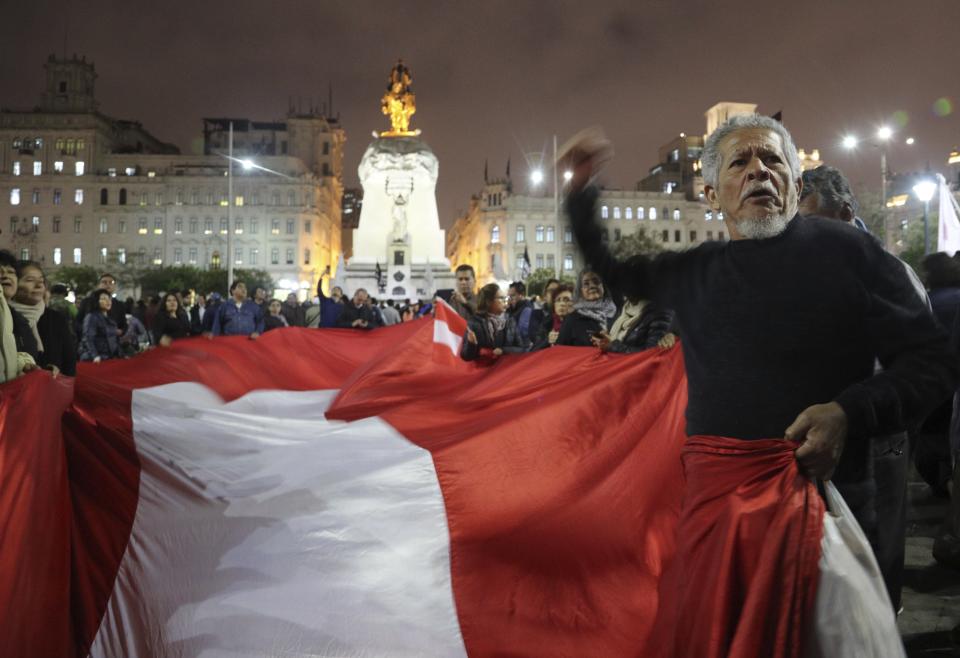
x: 497, y: 79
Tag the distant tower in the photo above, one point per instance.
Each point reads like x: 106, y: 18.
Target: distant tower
x: 719, y: 113
x: 70, y: 85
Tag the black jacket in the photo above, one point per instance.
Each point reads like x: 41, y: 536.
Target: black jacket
x: 351, y: 313
x: 654, y: 323
x: 59, y: 347
x: 164, y: 325
x: 508, y: 339
x: 26, y: 342
x: 577, y: 329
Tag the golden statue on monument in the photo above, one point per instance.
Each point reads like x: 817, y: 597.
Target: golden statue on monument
x: 399, y: 103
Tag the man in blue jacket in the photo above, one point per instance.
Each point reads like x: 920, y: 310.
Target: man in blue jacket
x: 238, y: 316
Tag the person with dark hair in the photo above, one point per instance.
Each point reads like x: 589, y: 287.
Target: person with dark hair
x: 327, y: 310
x: 826, y: 193
x: 170, y: 324
x: 239, y: 316
x: 13, y: 326
x: 542, y: 309
x: 463, y: 300
x: 275, y: 319
x: 212, y: 308
x: 293, y: 311
x: 358, y: 314
x: 561, y: 300
x: 136, y: 338
x: 520, y: 309
x: 100, y: 339
x: 490, y: 331
x: 781, y: 327
x: 260, y: 299
x: 55, y: 344
x: 593, y: 312
x: 641, y: 325
x: 197, y: 313
x: 390, y: 314
x: 106, y: 282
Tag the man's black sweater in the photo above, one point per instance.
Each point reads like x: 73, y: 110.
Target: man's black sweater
x: 770, y: 327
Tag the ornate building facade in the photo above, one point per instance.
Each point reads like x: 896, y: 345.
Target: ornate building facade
x: 81, y: 188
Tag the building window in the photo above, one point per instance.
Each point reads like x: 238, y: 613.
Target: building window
x: 306, y: 226
x: 238, y: 227
x: 720, y: 236
x: 628, y: 212
x: 179, y: 198
x: 238, y: 256
x: 142, y: 226
x: 275, y: 255
x: 56, y: 225
x: 256, y: 198
x: 676, y: 236
x: 123, y: 196
x: 57, y: 256
x: 192, y: 255
x: 665, y: 236
x: 521, y: 233
x: 157, y: 256
x: 178, y: 226
x: 709, y: 235
x: 604, y: 212
x: 102, y: 256
x: 495, y: 234
x: 568, y: 235
x: 290, y: 227
x: 195, y: 198
x: 209, y: 198
x: 551, y: 262
x: 275, y: 199
x: 306, y: 256
x: 121, y: 255
x: 539, y: 261
x: 37, y: 169
x: 35, y: 197
x: 143, y: 199
x: 275, y: 227
x: 177, y: 256
x: 77, y: 255
x: 567, y: 262
x: 158, y: 226
x: 13, y: 224
x: 158, y: 199
x: 254, y: 255
x: 142, y: 256
x: 616, y: 235
x: 208, y: 226
x: 653, y: 213
x: 15, y: 196
x: 289, y: 256
x: 16, y: 168
x: 58, y: 166
x: 291, y: 198
x: 78, y: 196
x: 104, y: 198
x: 24, y: 253
x: 193, y: 225
x: 539, y: 233
x: 616, y: 212
x: 605, y: 234
x: 223, y: 226
x: 57, y: 197
x: 77, y: 225
x: 78, y: 168
x: 708, y: 215
x: 254, y: 226
x: 103, y: 225
x: 676, y: 214
x: 550, y: 234
x: 639, y: 212
x: 122, y: 226
x: 238, y: 200
x: 35, y: 224
x: 693, y: 236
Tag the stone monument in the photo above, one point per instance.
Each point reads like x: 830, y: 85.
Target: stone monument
x: 398, y: 246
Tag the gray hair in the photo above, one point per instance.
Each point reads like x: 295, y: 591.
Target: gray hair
x: 710, y: 160
x: 831, y: 187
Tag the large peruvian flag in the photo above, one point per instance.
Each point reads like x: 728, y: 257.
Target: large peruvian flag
x: 339, y: 493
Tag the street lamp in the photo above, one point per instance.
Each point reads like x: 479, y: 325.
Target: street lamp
x: 536, y: 177
x: 925, y: 190
x: 884, y: 133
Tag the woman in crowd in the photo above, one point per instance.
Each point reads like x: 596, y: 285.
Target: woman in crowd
x: 14, y: 361
x: 274, y: 319
x: 170, y: 324
x: 100, y: 333
x: 543, y: 309
x: 491, y: 329
x: 593, y: 312
x: 560, y: 298
x: 51, y: 329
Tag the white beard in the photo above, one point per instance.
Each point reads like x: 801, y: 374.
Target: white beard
x: 760, y: 228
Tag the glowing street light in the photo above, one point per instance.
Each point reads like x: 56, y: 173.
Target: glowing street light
x: 910, y: 141
x: 925, y: 190
x: 536, y: 176
x: 247, y: 164
x: 850, y: 142
x: 884, y: 133
x: 568, y: 175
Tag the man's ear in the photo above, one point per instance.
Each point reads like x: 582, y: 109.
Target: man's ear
x: 846, y: 213
x: 711, y: 195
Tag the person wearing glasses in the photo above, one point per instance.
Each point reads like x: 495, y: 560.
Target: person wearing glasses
x: 490, y: 331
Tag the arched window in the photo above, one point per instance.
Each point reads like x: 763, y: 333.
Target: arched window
x: 628, y: 212
x: 495, y: 234
x: 666, y: 213
x: 604, y: 212
x: 653, y: 213
x: 616, y: 212
x: 639, y: 212
x: 676, y: 213
x: 215, y: 261
x: 103, y: 196
x: 123, y: 196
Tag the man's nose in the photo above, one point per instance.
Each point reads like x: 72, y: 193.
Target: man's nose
x: 757, y: 170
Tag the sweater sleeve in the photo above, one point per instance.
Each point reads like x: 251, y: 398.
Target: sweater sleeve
x: 920, y: 368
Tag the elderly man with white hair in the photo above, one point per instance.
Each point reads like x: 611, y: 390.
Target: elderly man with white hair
x: 781, y: 327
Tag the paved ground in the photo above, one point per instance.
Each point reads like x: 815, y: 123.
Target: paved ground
x: 931, y: 595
